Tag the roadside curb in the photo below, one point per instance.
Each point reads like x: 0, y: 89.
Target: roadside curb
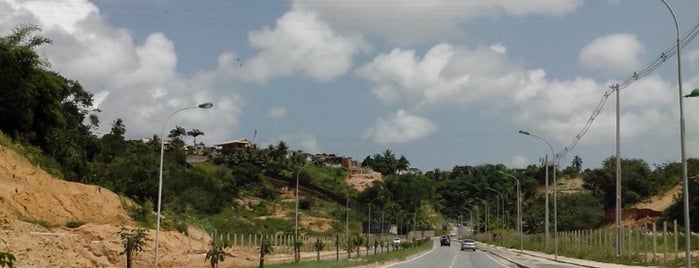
x: 492, y: 250
x: 520, y: 265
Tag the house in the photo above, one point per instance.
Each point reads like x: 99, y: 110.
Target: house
x: 232, y: 146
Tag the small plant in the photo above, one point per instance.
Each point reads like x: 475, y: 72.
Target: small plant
x: 297, y: 250
x: 319, y: 246
x: 43, y: 223
x: 72, y: 224
x: 142, y: 214
x: 217, y: 252
x: 6, y: 258
x: 133, y: 241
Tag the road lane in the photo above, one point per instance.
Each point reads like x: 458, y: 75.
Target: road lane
x: 449, y: 257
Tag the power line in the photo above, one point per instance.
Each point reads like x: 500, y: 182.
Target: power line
x: 649, y: 68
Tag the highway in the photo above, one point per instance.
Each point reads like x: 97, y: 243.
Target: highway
x: 450, y: 257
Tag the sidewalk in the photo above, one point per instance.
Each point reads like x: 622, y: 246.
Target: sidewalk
x: 533, y: 259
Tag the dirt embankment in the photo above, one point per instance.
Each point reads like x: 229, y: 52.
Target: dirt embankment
x: 34, y: 210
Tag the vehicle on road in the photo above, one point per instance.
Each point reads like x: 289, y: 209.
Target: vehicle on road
x: 445, y: 241
x: 468, y: 244
x: 396, y: 241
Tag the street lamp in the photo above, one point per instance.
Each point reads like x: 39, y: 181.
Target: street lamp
x: 206, y: 105
x: 369, y: 224
x: 486, y: 213
x: 502, y: 203
x: 555, y: 206
x: 297, y: 256
x: 519, y: 208
x: 685, y: 181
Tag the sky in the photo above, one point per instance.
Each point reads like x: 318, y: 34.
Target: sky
x: 442, y: 82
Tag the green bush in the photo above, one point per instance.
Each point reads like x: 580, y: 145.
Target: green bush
x: 142, y: 214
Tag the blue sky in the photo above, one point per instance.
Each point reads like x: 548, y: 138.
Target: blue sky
x: 443, y: 82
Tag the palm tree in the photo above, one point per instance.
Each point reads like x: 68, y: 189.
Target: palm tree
x: 577, y: 163
x: 194, y: 133
x: 177, y: 132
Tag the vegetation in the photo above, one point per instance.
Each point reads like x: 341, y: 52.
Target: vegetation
x: 47, y: 118
x: 133, y: 241
x: 72, y: 224
x: 7, y: 259
x: 216, y: 252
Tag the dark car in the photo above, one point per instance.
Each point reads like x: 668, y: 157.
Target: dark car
x: 468, y: 244
x: 445, y: 241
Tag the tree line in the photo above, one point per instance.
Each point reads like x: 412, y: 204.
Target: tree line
x: 41, y: 109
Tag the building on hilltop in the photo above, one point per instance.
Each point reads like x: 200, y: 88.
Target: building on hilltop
x: 232, y: 146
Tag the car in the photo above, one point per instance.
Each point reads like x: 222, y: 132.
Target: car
x: 468, y: 244
x: 396, y: 241
x: 445, y: 241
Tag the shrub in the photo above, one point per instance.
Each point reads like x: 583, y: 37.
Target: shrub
x: 72, y: 224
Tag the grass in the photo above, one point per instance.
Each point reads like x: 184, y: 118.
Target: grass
x: 387, y: 257
x: 43, y: 223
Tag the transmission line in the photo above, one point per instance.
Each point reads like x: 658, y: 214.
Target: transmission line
x: 645, y: 71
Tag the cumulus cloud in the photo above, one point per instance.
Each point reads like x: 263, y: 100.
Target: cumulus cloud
x: 400, y: 127
x: 135, y: 82
x: 300, y: 44
x: 411, y: 21
x: 616, y: 54
x: 444, y: 75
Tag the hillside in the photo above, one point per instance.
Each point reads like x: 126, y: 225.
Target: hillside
x: 645, y: 212
x: 34, y: 210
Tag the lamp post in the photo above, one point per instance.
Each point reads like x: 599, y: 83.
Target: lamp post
x: 369, y: 223
x: 502, y: 211
x: 297, y: 256
x: 519, y: 209
x: 486, y: 213
x: 502, y: 203
x: 617, y: 208
x: 685, y: 180
x: 555, y: 206
x: 206, y: 105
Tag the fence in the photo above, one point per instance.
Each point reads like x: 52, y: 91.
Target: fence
x: 284, y: 243
x: 659, y: 244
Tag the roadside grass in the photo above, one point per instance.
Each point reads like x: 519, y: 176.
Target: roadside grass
x: 598, y: 245
x: 379, y: 258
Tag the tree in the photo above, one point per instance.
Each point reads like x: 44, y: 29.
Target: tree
x: 133, y: 241
x: 319, y: 246
x: 195, y: 133
x: 41, y: 107
x: 386, y: 163
x: 216, y: 253
x: 577, y: 163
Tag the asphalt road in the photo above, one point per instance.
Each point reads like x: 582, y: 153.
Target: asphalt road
x: 450, y: 257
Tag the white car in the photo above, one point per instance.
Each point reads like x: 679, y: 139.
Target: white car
x: 468, y: 244
x: 396, y: 241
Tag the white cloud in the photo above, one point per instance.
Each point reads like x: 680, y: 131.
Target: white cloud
x: 444, y: 75
x: 400, y: 127
x: 415, y: 21
x: 303, y: 141
x: 616, y: 54
x: 519, y: 161
x: 300, y: 44
x: 135, y: 82
x: 276, y: 112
